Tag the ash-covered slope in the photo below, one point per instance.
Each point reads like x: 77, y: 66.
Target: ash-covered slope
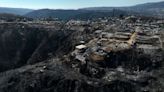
x: 22, y: 44
x: 53, y: 76
x: 104, y: 55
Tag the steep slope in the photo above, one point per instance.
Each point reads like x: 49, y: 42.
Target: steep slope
x: 21, y: 44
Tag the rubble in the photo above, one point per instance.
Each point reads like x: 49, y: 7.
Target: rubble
x: 80, y: 47
x: 105, y: 45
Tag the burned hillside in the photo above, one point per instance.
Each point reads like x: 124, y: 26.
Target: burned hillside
x: 23, y: 44
x: 100, y: 55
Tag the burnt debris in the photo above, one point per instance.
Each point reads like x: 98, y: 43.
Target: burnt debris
x: 100, y: 55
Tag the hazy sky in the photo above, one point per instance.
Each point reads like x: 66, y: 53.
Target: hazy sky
x: 69, y: 4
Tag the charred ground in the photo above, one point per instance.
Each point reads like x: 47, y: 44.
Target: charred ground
x: 111, y: 54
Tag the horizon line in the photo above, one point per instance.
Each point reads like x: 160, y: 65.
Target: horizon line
x: 76, y: 8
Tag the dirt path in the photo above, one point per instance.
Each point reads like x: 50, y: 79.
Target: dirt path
x: 132, y: 39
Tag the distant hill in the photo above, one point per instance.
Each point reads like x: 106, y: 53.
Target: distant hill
x: 148, y: 9
x: 43, y: 13
x: 11, y: 17
x: 17, y: 11
x: 146, y: 6
x: 155, y: 9
x: 151, y: 9
x: 73, y: 14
